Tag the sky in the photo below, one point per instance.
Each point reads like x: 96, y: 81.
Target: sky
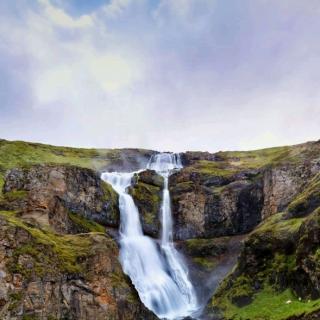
x: 160, y: 74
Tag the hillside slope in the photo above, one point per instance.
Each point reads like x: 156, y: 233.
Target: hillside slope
x: 250, y: 218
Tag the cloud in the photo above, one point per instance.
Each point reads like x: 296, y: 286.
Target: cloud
x: 116, y: 8
x: 185, y: 74
x: 58, y: 17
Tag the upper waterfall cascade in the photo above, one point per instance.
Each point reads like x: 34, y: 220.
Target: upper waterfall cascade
x: 157, y: 271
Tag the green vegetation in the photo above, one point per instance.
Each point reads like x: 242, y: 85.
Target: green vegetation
x: 60, y: 252
x: 257, y: 158
x: 1, y: 180
x: 205, y: 247
x: 18, y: 154
x: 148, y: 199
x: 214, y: 168
x: 109, y: 193
x: 84, y: 224
x: 206, y: 263
x: 184, y: 186
x: 270, y: 254
x: 15, y: 195
x: 268, y: 304
x: 112, y: 198
x: 284, y: 263
x: 276, y: 224
x: 228, y: 163
x: 23, y: 154
x: 232, y: 162
x: 15, y: 298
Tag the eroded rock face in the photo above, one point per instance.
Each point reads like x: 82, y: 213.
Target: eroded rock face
x: 282, y: 184
x: 213, y: 206
x: 50, y: 193
x: 219, y: 195
x: 49, y: 276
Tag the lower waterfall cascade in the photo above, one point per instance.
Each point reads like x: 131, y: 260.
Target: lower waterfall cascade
x: 157, y: 271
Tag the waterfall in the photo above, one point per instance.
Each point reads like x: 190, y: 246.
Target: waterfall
x: 157, y: 272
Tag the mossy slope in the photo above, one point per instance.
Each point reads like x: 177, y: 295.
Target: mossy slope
x: 275, y: 277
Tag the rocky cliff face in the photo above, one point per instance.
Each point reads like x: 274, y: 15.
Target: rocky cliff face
x: 256, y: 211
x: 279, y: 263
x: 56, y: 261
x: 232, y: 192
x: 46, y: 276
x: 55, y: 195
x: 207, y: 206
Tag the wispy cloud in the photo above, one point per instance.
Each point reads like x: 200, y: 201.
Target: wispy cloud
x: 185, y: 74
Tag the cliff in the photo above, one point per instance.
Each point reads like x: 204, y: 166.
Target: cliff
x: 247, y: 223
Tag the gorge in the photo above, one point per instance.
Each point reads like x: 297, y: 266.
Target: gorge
x: 226, y: 235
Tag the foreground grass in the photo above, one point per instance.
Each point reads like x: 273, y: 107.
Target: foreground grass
x: 271, y: 305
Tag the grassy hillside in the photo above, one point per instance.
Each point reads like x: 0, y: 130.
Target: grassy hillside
x: 21, y: 154
x: 227, y: 163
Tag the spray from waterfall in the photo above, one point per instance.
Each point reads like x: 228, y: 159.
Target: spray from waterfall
x: 158, y: 274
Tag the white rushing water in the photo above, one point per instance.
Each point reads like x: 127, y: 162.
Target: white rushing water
x: 157, y: 272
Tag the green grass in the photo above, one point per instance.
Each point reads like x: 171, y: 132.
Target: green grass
x: 15, y: 195
x: 18, y: 153
x: 206, y: 263
x: 228, y: 163
x: 278, y: 225
x: 257, y: 158
x: 84, y: 224
x: 232, y: 162
x: 269, y: 304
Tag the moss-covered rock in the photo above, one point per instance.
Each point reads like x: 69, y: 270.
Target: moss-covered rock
x: 306, y: 201
x: 147, y: 195
x: 279, y: 261
x: 45, y: 275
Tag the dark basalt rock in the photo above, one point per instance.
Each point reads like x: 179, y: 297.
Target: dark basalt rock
x: 213, y: 207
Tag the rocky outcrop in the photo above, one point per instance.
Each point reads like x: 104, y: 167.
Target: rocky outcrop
x: 44, y: 275
x: 281, y: 184
x: 230, y: 193
x: 208, y: 206
x: 52, y: 194
x: 279, y: 257
x: 146, y: 191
